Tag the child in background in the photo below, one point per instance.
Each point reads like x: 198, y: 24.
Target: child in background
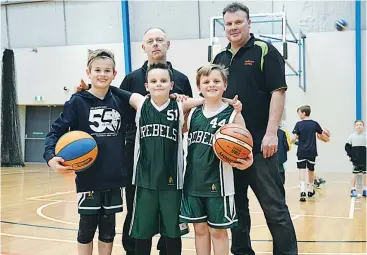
x: 356, y: 150
x: 305, y: 132
x: 284, y: 145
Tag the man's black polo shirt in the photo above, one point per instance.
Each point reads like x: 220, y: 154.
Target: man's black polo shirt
x: 134, y: 83
x: 255, y: 71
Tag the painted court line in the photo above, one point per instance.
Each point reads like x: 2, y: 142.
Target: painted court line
x: 7, y: 253
x: 189, y: 237
x: 41, y: 214
x: 63, y: 240
x: 184, y: 249
x: 351, y: 211
x: 53, y: 200
x: 296, y: 215
x: 38, y: 238
x: 53, y: 194
x: 38, y: 226
x: 17, y: 204
x: 21, y: 172
x: 320, y: 216
x: 60, y: 200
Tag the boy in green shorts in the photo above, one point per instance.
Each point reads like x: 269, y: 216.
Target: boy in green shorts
x: 158, y: 162
x: 208, y: 194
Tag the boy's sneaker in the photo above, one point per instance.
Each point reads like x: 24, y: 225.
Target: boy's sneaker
x: 316, y: 184
x: 353, y: 193
x: 364, y: 193
x: 311, y: 194
x: 303, y: 197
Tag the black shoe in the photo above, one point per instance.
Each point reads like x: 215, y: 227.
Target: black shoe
x: 311, y: 194
x: 303, y: 197
x: 316, y: 184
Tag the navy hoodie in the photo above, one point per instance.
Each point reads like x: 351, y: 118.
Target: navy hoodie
x: 103, y: 120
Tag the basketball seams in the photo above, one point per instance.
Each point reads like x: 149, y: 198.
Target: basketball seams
x: 234, y: 140
x: 225, y: 130
x: 84, y: 161
x: 224, y: 152
x: 69, y: 137
x: 70, y: 144
x: 223, y: 149
x: 78, y: 149
x: 244, y: 132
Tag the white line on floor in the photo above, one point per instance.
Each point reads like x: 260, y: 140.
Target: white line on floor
x: 63, y: 240
x: 184, y: 249
x: 53, y: 194
x: 351, y: 211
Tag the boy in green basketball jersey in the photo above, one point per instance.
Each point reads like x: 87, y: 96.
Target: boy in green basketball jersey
x: 158, y: 162
x: 208, y: 194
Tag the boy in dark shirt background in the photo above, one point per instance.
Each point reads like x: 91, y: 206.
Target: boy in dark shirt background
x: 305, y: 132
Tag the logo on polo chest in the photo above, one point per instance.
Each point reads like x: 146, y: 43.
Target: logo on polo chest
x: 249, y: 62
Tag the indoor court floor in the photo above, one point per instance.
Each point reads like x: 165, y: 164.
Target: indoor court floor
x: 39, y: 216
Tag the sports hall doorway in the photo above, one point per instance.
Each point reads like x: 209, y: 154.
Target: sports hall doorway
x: 38, y: 123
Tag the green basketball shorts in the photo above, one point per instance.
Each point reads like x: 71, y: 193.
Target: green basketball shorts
x: 157, y: 211
x: 218, y: 212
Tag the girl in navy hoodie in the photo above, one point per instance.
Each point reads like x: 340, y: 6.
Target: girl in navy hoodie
x: 99, y: 113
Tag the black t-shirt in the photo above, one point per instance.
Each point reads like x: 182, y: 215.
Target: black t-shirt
x: 306, y: 131
x: 255, y: 71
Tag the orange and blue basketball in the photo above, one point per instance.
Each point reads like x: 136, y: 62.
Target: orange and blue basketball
x: 78, y: 149
x: 341, y: 25
x: 324, y: 137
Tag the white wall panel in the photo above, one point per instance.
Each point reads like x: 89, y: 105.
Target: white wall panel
x: 36, y: 24
x: 90, y: 22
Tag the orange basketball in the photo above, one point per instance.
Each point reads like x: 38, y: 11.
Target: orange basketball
x: 78, y: 149
x: 232, y: 142
x: 324, y: 138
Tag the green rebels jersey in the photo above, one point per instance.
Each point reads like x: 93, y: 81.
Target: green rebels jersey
x: 158, y: 161
x: 206, y: 175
